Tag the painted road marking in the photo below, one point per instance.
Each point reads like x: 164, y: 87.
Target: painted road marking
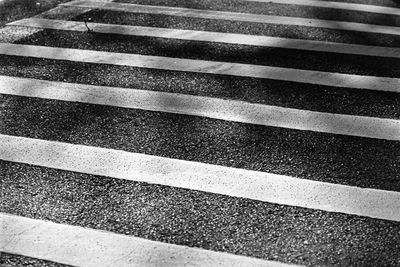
x: 203, y: 66
x: 234, y: 182
x: 230, y: 38
x: 337, y: 5
x: 86, y: 247
x: 234, y: 16
x: 229, y: 110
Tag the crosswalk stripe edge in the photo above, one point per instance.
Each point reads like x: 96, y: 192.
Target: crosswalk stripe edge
x: 229, y: 38
x: 234, y: 16
x: 234, y: 182
x: 203, y: 66
x: 86, y: 247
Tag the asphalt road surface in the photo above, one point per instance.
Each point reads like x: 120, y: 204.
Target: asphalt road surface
x: 57, y: 211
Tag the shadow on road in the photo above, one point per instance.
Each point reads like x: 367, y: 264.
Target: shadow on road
x: 316, y: 156
x: 282, y: 158
x: 11, y: 10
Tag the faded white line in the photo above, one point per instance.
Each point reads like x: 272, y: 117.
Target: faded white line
x: 13, y: 34
x: 230, y: 38
x: 233, y: 16
x: 254, y: 185
x: 203, y: 66
x: 229, y: 110
x: 86, y: 247
x: 337, y: 5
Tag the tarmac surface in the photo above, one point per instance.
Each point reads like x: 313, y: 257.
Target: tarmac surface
x: 289, y: 58
x: 273, y: 9
x: 264, y: 91
x: 333, y: 158
x: 199, y: 219
x: 215, y: 222
x: 297, y: 32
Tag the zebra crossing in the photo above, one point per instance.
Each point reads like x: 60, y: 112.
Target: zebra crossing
x: 163, y: 138
x: 252, y: 185
x: 243, y: 17
x: 238, y: 111
x: 338, y: 5
x: 230, y: 38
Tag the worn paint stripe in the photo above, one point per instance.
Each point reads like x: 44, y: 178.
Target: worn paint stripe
x: 229, y: 110
x: 86, y: 247
x: 230, y: 38
x: 234, y: 182
x: 336, y: 5
x: 203, y: 66
x: 234, y: 16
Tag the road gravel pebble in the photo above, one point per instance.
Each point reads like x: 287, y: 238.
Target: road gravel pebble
x: 11, y: 260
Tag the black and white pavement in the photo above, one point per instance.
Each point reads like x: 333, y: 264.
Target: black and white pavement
x: 201, y: 133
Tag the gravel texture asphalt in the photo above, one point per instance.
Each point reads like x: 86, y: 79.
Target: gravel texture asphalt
x: 11, y: 260
x: 11, y: 10
x: 280, y: 93
x: 339, y: 159
x: 199, y: 219
x: 297, y: 32
x: 63, y: 12
x: 389, y: 3
x: 288, y: 58
x: 273, y: 9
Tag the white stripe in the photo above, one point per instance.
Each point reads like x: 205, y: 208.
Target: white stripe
x: 85, y: 247
x: 233, y: 16
x: 230, y: 38
x: 336, y: 5
x: 203, y: 177
x: 203, y: 66
x: 229, y: 110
